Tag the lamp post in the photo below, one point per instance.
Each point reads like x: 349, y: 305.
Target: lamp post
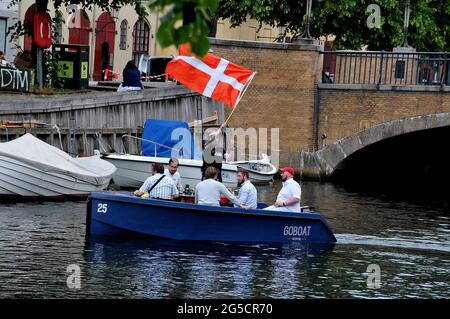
x: 406, y: 24
x: 306, y: 34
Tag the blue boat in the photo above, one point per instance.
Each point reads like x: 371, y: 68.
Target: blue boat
x: 123, y: 214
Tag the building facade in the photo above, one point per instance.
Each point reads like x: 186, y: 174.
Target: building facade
x: 116, y: 37
x: 9, y: 15
x: 248, y: 31
x: 113, y: 38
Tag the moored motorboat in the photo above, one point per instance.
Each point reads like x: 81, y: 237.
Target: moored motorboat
x: 122, y: 214
x: 260, y: 171
x: 157, y: 146
x: 31, y: 168
x: 132, y: 170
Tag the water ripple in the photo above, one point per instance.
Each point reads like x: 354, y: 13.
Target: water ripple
x: 409, y: 242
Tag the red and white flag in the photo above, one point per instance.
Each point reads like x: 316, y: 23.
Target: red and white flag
x: 211, y: 76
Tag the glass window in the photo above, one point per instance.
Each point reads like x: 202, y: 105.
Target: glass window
x: 3, y: 35
x: 123, y: 35
x: 141, y: 32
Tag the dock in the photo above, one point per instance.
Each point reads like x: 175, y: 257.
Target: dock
x: 79, y: 121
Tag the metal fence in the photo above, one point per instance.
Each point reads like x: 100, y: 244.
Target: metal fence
x: 386, y: 68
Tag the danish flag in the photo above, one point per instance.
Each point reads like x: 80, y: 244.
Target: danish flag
x: 211, y: 76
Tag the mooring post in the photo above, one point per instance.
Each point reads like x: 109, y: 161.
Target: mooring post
x: 72, y: 138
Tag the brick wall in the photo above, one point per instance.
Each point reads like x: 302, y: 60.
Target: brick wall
x: 285, y: 90
x: 281, y: 94
x: 344, y: 112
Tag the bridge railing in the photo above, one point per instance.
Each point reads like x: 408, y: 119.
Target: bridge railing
x: 386, y: 68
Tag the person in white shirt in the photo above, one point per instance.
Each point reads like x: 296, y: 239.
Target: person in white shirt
x: 247, y: 192
x: 159, y: 186
x: 208, y: 192
x: 288, y: 199
x: 173, y: 173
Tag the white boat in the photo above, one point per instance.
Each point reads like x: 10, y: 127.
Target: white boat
x: 30, y: 167
x: 158, y: 144
x: 132, y: 170
x: 260, y: 171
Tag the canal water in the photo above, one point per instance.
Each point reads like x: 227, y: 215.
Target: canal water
x: 406, y: 239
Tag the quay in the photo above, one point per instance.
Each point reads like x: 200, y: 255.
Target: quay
x: 330, y: 106
x: 81, y: 118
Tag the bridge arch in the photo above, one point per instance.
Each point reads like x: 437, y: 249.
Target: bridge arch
x: 323, y: 164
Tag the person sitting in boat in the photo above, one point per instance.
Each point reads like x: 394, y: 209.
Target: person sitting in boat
x: 158, y: 186
x: 173, y: 173
x: 208, y: 192
x: 288, y: 198
x: 247, y: 194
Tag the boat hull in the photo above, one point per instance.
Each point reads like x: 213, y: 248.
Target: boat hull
x: 133, y: 170
x: 122, y: 214
x: 18, y: 179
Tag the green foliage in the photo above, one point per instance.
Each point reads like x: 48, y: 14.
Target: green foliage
x: 51, y: 69
x: 15, y: 31
x: 429, y: 28
x: 51, y: 58
x: 184, y: 21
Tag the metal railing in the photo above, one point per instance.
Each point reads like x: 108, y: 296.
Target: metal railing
x: 140, y: 139
x: 386, y: 68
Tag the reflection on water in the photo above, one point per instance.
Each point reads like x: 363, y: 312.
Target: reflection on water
x: 409, y: 240
x: 211, y: 270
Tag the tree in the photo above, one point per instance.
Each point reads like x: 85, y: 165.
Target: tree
x: 185, y: 21
x: 429, y: 29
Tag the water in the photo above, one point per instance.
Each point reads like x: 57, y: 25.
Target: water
x: 408, y: 238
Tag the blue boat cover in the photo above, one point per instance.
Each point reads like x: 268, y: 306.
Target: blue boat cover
x: 173, y: 134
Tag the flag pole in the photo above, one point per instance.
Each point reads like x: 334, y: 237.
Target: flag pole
x: 247, y: 84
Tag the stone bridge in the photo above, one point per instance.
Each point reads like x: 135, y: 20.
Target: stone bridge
x: 323, y: 163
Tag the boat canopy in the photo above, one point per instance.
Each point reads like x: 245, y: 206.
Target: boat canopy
x: 168, y: 139
x: 34, y: 152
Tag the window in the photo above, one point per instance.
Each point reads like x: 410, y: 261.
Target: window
x: 123, y: 35
x: 3, y: 35
x: 141, y: 33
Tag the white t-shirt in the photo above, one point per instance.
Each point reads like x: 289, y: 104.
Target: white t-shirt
x: 290, y: 189
x: 208, y: 192
x: 175, y: 177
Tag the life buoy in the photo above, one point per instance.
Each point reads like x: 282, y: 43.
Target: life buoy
x: 42, y: 26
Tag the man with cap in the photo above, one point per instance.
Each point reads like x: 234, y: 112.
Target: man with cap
x: 288, y: 198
